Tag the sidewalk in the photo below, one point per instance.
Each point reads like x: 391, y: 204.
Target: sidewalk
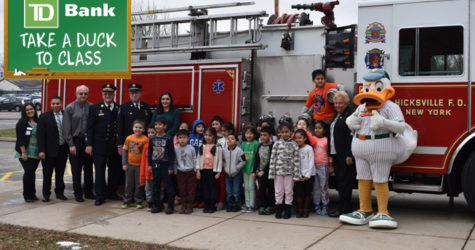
x: 420, y: 228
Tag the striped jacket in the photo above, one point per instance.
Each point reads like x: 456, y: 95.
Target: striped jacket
x: 285, y: 159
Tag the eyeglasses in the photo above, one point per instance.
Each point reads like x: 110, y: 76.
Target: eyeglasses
x: 83, y: 93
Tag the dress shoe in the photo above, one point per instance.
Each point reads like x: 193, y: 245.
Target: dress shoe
x: 79, y: 199
x: 99, y: 202
x: 29, y: 200
x: 90, y: 196
x: 335, y: 213
x: 61, y: 197
x: 35, y: 198
x: 46, y: 198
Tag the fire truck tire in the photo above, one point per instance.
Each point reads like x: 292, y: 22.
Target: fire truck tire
x: 468, y: 183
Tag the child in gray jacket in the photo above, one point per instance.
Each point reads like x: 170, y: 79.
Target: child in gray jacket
x: 234, y: 159
x: 186, y: 176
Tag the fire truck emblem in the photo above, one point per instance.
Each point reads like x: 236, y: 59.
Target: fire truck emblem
x: 218, y: 86
x: 374, y: 59
x: 375, y: 33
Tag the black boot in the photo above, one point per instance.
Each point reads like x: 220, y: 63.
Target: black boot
x: 306, y: 206
x: 300, y: 207
x: 171, y: 205
x: 278, y: 211
x: 157, y: 206
x: 287, y: 210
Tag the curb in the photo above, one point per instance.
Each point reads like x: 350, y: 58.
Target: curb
x: 8, y: 139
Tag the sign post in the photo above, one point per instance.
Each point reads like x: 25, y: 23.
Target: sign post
x: 59, y: 39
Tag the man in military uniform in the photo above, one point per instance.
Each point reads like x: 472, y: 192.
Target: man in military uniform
x: 131, y: 111
x: 101, y: 138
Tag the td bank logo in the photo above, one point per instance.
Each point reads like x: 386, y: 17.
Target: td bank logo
x: 41, y: 13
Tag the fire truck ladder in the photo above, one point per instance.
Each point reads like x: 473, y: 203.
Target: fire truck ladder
x: 203, y: 35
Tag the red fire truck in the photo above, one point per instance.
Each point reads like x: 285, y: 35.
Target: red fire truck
x: 424, y: 45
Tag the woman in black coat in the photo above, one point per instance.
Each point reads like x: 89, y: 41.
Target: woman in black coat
x: 26, y: 148
x: 340, y: 150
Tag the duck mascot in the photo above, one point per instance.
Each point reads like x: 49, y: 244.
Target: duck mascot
x: 381, y: 139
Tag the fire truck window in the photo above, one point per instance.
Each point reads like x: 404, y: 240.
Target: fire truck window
x: 439, y: 51
x: 407, y: 46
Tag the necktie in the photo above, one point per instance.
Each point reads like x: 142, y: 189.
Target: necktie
x: 60, y: 130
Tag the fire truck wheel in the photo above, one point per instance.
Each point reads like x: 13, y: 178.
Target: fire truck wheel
x: 468, y: 185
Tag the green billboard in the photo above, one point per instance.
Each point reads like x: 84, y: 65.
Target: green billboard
x: 57, y: 39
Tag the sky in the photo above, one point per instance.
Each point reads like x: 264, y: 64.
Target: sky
x: 345, y: 12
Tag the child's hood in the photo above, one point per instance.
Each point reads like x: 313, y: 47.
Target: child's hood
x: 196, y: 124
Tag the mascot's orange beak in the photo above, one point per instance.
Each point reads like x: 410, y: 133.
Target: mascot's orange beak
x: 373, y: 98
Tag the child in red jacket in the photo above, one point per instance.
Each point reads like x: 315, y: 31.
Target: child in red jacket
x: 146, y: 177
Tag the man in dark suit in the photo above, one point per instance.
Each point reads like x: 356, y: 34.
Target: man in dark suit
x: 53, y: 149
x: 101, y: 143
x: 129, y: 112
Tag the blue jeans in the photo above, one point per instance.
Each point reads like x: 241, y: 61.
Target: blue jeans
x: 161, y: 172
x: 233, y: 189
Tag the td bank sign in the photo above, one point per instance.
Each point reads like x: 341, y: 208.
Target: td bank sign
x: 44, y: 13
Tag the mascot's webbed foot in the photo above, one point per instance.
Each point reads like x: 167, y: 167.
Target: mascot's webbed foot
x: 383, y: 221
x: 356, y: 218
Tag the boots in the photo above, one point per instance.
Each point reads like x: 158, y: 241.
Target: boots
x: 278, y: 211
x: 183, y: 208
x: 300, y: 206
x: 287, y: 210
x: 171, y: 205
x: 157, y: 206
x: 306, y: 206
x: 189, y: 208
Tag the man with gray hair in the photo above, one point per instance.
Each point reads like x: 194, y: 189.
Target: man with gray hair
x: 74, y: 133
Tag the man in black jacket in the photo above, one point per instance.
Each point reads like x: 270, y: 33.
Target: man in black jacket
x: 53, y: 149
x: 129, y: 112
x: 101, y: 143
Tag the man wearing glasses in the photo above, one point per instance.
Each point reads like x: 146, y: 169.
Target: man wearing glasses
x: 74, y: 128
x: 101, y: 144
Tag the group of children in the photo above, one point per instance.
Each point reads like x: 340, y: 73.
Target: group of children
x: 213, y: 166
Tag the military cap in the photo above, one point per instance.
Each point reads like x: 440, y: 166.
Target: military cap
x: 108, y: 87
x: 135, y: 87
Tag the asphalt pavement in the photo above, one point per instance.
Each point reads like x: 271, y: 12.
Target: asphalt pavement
x: 9, y: 119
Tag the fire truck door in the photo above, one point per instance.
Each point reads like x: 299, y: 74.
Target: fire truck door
x: 218, y: 93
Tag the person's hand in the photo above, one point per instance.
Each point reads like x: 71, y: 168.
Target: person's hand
x: 331, y: 170
x: 119, y: 151
x: 253, y: 175
x: 198, y: 175
x: 260, y: 174
x: 217, y: 176
x: 354, y: 121
x: 42, y: 155
x: 150, y: 169
x: 170, y: 171
x: 349, y: 161
x: 72, y: 150
x: 125, y: 167
x: 89, y: 150
x: 24, y: 156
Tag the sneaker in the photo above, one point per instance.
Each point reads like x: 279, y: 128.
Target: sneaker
x: 139, y: 205
x: 324, y: 210
x: 244, y: 208
x: 220, y: 205
x: 318, y: 210
x: 235, y: 209
x: 249, y: 210
x: 149, y: 206
x: 229, y: 208
x: 262, y: 210
x: 382, y: 221
x: 356, y: 218
x: 269, y: 210
x: 124, y: 205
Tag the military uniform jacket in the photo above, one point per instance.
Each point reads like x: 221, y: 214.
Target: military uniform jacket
x: 127, y: 115
x: 102, y: 128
